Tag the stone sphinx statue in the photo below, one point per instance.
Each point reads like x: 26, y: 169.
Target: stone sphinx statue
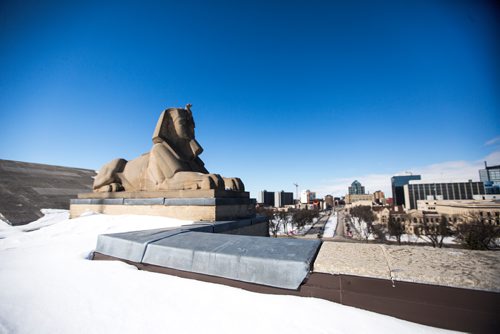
x: 172, y: 164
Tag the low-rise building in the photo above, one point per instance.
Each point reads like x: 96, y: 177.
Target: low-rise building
x: 352, y: 198
x: 379, y: 197
x: 329, y: 203
x: 489, y: 210
x: 307, y: 197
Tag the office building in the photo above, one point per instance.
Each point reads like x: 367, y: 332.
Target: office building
x: 267, y: 198
x: 307, y: 197
x: 276, y: 199
x: 490, y: 176
x: 440, y: 191
x: 397, y: 183
x: 282, y: 198
x: 356, y: 188
x: 490, y: 173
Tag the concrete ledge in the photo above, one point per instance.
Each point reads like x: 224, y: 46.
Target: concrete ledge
x: 479, y: 270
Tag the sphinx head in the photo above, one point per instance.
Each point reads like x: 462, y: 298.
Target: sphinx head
x: 173, y: 125
x: 183, y: 123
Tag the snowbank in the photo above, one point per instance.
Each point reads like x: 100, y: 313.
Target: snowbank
x: 50, y: 286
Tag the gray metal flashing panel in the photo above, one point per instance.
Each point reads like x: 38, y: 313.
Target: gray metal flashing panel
x: 164, y: 201
x: 97, y: 201
x: 189, y: 201
x: 199, y: 227
x: 282, y: 263
x: 206, y: 201
x: 131, y: 245
x: 111, y: 201
x: 80, y: 201
x: 223, y: 226
x: 144, y: 201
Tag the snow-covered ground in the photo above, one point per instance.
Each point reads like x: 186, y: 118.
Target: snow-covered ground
x: 330, y: 226
x: 291, y: 229
x: 412, y: 238
x: 48, y: 285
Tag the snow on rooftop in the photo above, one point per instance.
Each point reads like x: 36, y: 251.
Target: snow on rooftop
x: 49, y: 285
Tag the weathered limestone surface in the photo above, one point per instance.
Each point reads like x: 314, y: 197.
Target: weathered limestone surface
x: 188, y: 212
x: 173, y: 162
x: 352, y: 259
x: 450, y: 267
x: 447, y: 267
x: 170, y: 180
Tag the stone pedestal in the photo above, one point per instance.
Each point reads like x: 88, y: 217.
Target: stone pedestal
x: 196, y: 205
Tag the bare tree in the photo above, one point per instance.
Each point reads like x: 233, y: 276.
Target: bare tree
x: 396, y: 227
x: 435, y: 231
x: 301, y: 217
x: 269, y: 214
x: 477, y: 233
x: 363, y: 214
x: 281, y: 217
x: 379, y: 230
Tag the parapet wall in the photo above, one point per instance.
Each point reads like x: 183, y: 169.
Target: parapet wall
x: 25, y: 188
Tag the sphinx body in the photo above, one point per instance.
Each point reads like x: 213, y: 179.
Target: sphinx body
x: 172, y: 164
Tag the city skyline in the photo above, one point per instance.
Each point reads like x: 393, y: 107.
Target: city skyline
x: 315, y: 93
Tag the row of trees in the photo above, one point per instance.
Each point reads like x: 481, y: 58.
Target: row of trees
x: 471, y: 230
x: 283, y: 220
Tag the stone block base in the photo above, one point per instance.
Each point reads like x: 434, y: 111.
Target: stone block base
x: 208, y: 207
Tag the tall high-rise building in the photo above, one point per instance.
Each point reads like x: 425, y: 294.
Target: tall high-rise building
x: 490, y: 173
x: 397, y: 183
x: 490, y: 176
x: 440, y: 191
x: 282, y: 198
x: 267, y: 198
x: 356, y: 188
x: 277, y: 199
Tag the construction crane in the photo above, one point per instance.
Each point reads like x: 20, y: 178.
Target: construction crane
x: 297, y: 191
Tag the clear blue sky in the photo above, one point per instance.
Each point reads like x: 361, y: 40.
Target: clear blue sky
x: 282, y: 91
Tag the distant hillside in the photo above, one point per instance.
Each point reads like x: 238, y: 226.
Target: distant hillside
x: 25, y: 188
